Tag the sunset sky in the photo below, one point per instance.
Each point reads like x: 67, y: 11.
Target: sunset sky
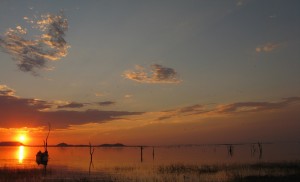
x: 157, y: 72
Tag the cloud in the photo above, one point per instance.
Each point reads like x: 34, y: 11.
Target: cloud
x: 99, y: 94
x: 128, y: 96
x: 255, y: 106
x: 106, y: 103
x: 268, y: 47
x: 183, y: 111
x: 227, y: 109
x: 18, y: 112
x: 193, y: 108
x: 6, y: 91
x: 72, y: 105
x: 64, y: 119
x: 33, y: 55
x: 156, y: 74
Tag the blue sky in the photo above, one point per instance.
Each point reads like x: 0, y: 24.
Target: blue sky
x: 154, y: 56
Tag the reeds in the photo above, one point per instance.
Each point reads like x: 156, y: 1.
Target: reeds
x: 178, y: 172
x: 181, y: 168
x: 286, y: 171
x: 20, y: 174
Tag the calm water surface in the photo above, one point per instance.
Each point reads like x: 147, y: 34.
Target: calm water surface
x: 104, y: 159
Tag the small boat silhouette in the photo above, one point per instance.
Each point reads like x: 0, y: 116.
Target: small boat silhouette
x: 42, y: 158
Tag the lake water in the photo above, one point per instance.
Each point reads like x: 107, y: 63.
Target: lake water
x: 107, y: 159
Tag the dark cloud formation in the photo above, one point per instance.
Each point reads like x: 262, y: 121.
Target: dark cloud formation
x: 72, y: 105
x: 106, y: 103
x: 157, y: 74
x: 24, y: 112
x: 32, y: 55
x: 193, y: 108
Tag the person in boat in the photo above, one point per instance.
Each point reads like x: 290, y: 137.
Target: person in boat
x: 42, y: 158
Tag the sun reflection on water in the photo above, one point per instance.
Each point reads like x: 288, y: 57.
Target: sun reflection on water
x: 21, y: 154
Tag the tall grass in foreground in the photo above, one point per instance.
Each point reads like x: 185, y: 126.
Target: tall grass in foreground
x: 20, y: 174
x: 258, y: 172
x: 288, y: 171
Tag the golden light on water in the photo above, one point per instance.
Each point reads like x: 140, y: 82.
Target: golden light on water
x: 21, y: 154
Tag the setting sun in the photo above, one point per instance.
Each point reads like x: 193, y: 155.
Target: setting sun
x: 22, y: 138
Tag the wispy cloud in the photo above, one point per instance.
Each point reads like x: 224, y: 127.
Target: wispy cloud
x: 156, y: 74
x: 99, y: 94
x: 106, y: 103
x: 193, y: 108
x: 36, y: 113
x: 6, y: 91
x: 72, y: 105
x: 228, y: 109
x: 32, y: 54
x: 268, y: 47
x: 128, y: 96
x: 255, y: 106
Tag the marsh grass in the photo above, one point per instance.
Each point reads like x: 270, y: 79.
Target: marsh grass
x: 178, y: 172
x: 20, y: 174
x: 286, y: 171
x: 181, y: 168
x: 9, y: 174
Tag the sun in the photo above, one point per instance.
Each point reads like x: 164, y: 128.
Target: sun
x: 22, y: 138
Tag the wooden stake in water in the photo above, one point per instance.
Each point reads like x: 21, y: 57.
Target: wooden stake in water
x: 142, y: 153
x: 92, y: 150
x: 230, y: 150
x: 260, y: 149
x: 153, y: 153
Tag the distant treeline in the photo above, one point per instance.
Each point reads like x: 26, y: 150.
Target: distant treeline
x: 102, y: 145
x: 11, y: 143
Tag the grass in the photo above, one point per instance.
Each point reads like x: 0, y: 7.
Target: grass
x: 20, y: 174
x: 285, y: 171
x: 258, y: 172
x: 9, y: 174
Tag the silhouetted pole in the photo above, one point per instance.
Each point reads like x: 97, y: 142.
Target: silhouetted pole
x: 260, y: 150
x: 253, y: 150
x: 230, y: 150
x: 142, y: 153
x: 153, y: 153
x: 92, y: 149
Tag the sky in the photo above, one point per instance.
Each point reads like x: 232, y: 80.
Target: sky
x: 150, y: 72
